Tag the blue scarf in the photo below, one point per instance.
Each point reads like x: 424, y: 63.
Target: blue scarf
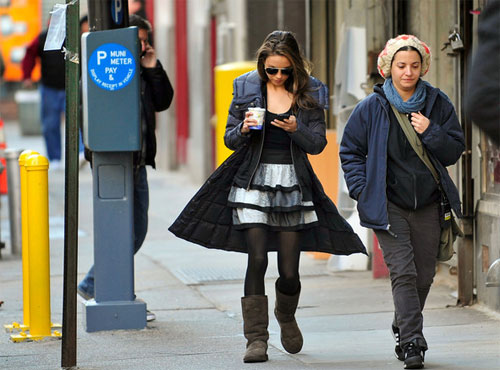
x: 414, y: 104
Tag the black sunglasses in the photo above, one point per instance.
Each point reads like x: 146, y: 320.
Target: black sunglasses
x: 273, y: 71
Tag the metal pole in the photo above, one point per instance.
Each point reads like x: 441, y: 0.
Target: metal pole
x: 37, y: 167
x: 37, y: 199
x: 14, y: 196
x: 68, y: 347
x: 100, y: 17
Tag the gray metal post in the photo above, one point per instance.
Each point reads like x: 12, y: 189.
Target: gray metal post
x: 112, y: 135
x: 14, y: 197
x: 115, y: 306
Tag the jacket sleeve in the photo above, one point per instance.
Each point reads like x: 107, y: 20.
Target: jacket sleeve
x: 29, y: 60
x: 353, y: 152
x: 311, y: 136
x: 445, y: 139
x: 233, y: 138
x: 161, y: 89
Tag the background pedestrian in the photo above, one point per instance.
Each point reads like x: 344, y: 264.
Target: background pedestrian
x: 52, y: 94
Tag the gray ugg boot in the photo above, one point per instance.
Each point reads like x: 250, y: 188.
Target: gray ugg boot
x: 286, y: 305
x: 255, y: 322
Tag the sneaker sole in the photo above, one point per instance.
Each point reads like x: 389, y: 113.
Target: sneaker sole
x: 414, y: 363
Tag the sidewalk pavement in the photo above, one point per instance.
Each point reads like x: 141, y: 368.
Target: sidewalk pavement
x: 195, y: 292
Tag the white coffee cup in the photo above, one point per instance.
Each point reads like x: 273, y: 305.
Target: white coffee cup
x: 258, y: 115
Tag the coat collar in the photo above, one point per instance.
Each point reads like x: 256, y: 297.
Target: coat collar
x: 248, y: 87
x: 432, y: 94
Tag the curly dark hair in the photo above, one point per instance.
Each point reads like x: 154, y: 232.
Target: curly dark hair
x: 284, y: 43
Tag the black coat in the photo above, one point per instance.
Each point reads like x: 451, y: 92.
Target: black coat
x: 207, y: 220
x: 156, y: 95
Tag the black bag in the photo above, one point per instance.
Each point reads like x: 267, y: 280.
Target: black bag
x: 445, y: 214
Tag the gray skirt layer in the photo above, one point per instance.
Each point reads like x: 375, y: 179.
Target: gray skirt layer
x: 274, y: 200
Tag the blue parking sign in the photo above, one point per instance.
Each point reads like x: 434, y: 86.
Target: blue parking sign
x: 111, y: 66
x: 117, y: 11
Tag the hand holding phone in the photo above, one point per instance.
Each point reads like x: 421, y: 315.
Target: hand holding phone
x: 283, y: 116
x: 289, y: 126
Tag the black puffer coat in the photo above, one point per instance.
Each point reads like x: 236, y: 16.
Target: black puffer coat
x: 207, y: 220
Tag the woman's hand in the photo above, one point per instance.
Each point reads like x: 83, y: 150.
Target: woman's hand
x: 419, y: 122
x: 289, y: 125
x: 247, y: 122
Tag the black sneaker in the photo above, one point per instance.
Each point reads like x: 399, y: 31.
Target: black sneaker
x: 150, y: 316
x: 414, y: 356
x: 398, y: 351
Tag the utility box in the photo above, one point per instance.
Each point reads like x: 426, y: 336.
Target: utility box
x: 110, y: 89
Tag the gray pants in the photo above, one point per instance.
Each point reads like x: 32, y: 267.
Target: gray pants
x: 411, y: 259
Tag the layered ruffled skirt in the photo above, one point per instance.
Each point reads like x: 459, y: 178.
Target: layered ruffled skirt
x: 273, y: 200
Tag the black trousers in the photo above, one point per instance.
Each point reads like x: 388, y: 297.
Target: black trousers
x: 411, y: 259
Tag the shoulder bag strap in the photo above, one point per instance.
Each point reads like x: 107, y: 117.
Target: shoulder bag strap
x: 414, y: 141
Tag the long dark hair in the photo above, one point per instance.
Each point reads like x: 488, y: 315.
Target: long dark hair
x: 284, y: 43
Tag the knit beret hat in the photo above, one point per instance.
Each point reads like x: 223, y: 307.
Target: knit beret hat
x: 385, y: 57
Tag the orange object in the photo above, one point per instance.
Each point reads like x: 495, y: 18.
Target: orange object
x: 22, y: 23
x: 326, y: 167
x: 3, y: 174
x: 379, y: 267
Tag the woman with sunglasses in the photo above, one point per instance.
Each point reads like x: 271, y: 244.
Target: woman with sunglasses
x: 266, y: 197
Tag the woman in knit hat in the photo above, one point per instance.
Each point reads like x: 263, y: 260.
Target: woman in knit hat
x: 398, y: 195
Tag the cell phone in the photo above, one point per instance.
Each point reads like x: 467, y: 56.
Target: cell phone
x: 283, y: 116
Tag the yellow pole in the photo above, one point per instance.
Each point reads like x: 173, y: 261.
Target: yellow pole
x: 36, y: 167
x: 24, y: 237
x: 37, y: 221
x: 224, y: 75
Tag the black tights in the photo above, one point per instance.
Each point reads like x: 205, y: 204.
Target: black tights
x: 288, y: 261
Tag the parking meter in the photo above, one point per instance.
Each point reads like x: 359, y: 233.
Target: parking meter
x: 112, y: 131
x: 111, y: 87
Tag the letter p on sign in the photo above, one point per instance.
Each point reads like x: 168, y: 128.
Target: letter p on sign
x: 101, y: 55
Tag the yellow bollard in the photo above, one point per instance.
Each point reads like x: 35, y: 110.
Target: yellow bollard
x: 24, y: 235
x: 224, y: 76
x: 37, y: 199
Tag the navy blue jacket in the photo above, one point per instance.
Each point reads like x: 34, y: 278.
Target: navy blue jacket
x: 363, y: 152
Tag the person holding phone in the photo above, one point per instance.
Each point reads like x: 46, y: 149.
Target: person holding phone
x: 265, y: 196
x: 397, y: 193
